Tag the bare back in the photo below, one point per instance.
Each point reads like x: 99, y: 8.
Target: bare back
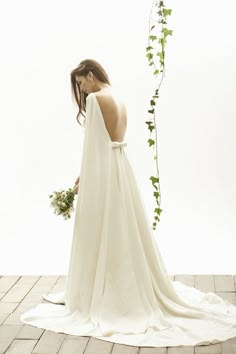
x: 114, y: 115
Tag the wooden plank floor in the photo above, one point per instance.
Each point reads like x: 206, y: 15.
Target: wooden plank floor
x: 20, y: 293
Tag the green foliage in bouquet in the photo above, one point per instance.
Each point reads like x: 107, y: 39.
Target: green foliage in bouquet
x: 62, y: 202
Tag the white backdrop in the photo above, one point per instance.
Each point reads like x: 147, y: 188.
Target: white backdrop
x: 41, y: 142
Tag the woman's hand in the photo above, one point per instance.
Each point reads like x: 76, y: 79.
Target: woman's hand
x: 76, y: 186
x: 77, y: 180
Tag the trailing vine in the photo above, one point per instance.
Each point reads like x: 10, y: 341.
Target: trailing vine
x: 156, y: 58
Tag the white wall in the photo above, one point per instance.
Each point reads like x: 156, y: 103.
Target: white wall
x: 41, y: 142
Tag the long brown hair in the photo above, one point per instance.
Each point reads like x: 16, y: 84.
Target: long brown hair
x: 82, y: 69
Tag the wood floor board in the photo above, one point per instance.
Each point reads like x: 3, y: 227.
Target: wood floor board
x: 180, y: 350
x: 185, y: 279
x: 148, y: 350
x: 230, y: 296
x: 29, y: 332
x: 7, y: 281
x: 49, y: 343
x: 229, y: 346
x: 209, y: 349
x: 19, y: 290
x: 74, y: 346
x: 98, y: 346
x: 7, y: 336
x: 205, y: 283
x: 224, y: 283
x: 124, y: 349
x: 21, y: 346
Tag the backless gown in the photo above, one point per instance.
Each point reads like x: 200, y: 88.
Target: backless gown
x: 117, y: 288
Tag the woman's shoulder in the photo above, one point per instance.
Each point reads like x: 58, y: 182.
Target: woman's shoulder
x: 110, y: 103
x: 109, y: 97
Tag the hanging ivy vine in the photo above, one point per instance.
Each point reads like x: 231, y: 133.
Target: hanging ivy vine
x: 155, y: 53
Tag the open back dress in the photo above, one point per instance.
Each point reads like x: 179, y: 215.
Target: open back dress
x: 117, y: 288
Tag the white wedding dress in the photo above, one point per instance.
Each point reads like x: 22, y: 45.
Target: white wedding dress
x: 117, y: 288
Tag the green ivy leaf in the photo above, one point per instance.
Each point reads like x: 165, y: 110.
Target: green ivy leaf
x: 149, y: 56
x: 151, y: 142
x: 162, y: 41
x: 154, y: 179
x: 158, y: 211
x: 151, y: 127
x: 152, y: 27
x: 149, y: 48
x: 152, y: 37
x: 160, y: 54
x: 166, y: 12
x: 152, y: 103
x: 166, y: 32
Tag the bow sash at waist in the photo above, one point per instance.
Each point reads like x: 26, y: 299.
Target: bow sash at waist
x: 117, y: 144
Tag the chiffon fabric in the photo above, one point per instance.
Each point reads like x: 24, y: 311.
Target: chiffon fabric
x: 117, y: 288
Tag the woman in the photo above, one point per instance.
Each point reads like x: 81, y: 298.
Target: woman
x: 117, y: 288
x: 84, y: 81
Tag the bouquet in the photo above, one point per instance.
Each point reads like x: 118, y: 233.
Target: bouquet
x: 62, y: 202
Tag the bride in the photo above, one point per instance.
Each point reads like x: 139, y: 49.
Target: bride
x: 117, y: 287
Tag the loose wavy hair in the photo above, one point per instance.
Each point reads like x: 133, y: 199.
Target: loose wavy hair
x: 82, y: 69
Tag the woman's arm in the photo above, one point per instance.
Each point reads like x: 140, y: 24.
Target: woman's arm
x: 76, y: 186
